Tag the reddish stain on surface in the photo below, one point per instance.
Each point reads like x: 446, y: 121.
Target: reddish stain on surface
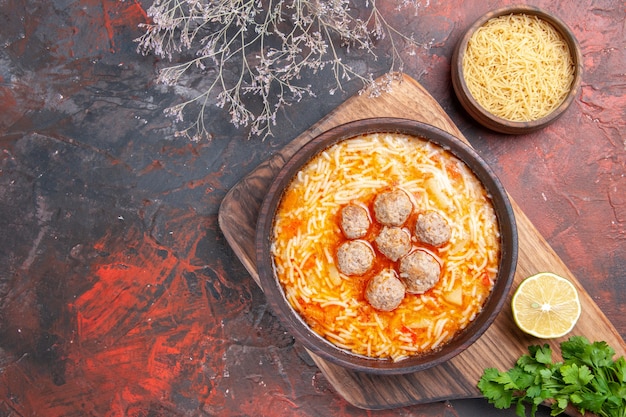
x: 144, y: 331
x: 154, y: 166
x: 9, y: 111
x: 106, y: 18
x: 96, y: 26
x: 117, y: 15
x: 617, y: 198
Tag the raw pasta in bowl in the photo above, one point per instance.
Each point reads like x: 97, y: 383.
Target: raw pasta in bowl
x: 517, y: 69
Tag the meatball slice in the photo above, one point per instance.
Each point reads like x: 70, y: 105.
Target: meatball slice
x: 432, y: 228
x: 385, y: 291
x: 355, y: 221
x: 393, y: 242
x: 392, y: 208
x: 355, y: 257
x: 420, y: 271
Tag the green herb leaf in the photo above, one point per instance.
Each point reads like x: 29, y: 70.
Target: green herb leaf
x: 588, y: 379
x: 543, y: 354
x: 591, y: 401
x: 575, y: 375
x: 493, y: 391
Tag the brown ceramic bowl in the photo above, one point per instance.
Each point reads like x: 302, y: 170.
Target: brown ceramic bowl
x: 319, y: 345
x: 479, y: 113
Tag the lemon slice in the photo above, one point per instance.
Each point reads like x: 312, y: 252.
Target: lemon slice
x: 546, y: 305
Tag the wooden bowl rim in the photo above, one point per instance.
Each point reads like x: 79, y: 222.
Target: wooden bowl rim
x: 316, y: 343
x: 488, y: 119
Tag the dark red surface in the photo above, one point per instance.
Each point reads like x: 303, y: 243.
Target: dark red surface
x: 118, y: 293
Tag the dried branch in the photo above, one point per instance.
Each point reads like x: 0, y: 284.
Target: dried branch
x: 267, y: 46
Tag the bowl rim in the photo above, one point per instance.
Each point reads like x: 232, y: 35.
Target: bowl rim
x: 316, y: 343
x: 482, y: 115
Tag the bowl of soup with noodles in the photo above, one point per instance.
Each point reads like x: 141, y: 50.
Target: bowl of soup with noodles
x: 386, y: 245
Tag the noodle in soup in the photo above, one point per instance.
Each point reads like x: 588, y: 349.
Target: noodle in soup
x: 307, y: 234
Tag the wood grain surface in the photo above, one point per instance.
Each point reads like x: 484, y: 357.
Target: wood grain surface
x: 499, y: 347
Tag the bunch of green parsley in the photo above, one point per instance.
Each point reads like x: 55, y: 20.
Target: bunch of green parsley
x: 588, y: 378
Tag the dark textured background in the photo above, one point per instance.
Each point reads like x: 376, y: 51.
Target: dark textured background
x: 119, y: 295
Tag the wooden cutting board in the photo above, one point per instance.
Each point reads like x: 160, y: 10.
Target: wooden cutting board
x: 499, y: 347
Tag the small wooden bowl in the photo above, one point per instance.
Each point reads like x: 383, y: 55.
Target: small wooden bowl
x: 479, y: 113
x: 296, y: 325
